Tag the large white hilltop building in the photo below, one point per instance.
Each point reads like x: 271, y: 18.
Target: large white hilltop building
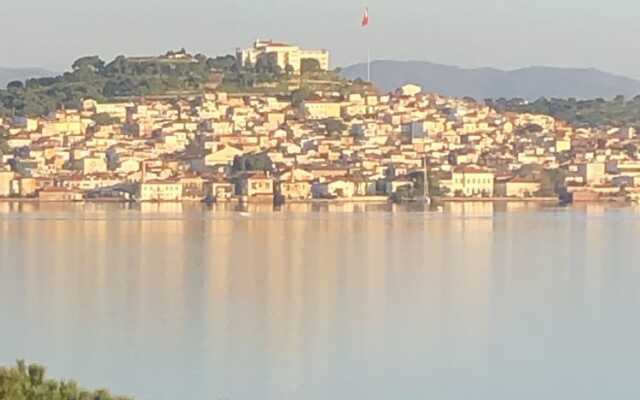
x: 282, y: 54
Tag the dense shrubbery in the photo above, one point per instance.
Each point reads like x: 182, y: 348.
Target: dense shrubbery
x: 252, y: 162
x: 91, y: 77
x: 28, y: 382
x: 174, y: 73
x: 598, y: 112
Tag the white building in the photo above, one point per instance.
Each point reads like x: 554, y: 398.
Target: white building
x: 282, y: 54
x: 157, y: 190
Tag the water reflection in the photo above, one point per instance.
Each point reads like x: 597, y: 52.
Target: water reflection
x: 481, y: 300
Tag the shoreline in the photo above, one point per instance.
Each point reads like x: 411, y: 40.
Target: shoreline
x: 373, y: 200
x: 363, y: 200
x: 495, y: 200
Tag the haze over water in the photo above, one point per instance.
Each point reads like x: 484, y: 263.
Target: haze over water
x: 481, y: 301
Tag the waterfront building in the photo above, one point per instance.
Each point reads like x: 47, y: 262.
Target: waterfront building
x: 518, y: 188
x: 6, y: 177
x: 255, y: 184
x: 159, y: 190
x: 59, y: 194
x: 472, y: 181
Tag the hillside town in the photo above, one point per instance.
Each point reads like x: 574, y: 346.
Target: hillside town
x: 407, y: 145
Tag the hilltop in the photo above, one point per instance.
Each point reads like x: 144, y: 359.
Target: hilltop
x: 179, y: 74
x: 174, y: 74
x: 481, y: 83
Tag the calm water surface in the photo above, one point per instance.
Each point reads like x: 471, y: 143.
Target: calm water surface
x: 480, y: 301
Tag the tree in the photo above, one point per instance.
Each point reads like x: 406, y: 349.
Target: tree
x: 90, y: 63
x: 631, y: 150
x: 552, y: 182
x: 404, y: 192
x: 28, y: 382
x: 334, y: 126
x: 252, y: 162
x: 267, y: 65
x: 4, y: 146
x: 120, y: 87
x: 248, y: 65
x: 105, y: 119
x: 534, y: 128
x: 15, y: 86
x: 309, y: 65
x: 201, y: 58
x: 47, y: 81
x: 117, y: 66
x: 90, y: 77
x: 223, y: 63
x: 289, y: 70
x: 36, y: 374
x: 300, y: 95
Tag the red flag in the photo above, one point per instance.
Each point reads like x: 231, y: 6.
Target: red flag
x: 365, y: 18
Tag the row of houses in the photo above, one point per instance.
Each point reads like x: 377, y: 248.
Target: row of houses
x: 333, y: 144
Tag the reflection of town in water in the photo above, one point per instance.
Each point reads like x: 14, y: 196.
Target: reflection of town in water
x: 312, y: 301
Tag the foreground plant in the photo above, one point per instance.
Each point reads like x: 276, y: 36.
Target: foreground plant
x: 28, y: 382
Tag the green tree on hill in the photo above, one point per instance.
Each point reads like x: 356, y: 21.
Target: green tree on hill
x: 309, y: 65
x: 105, y: 119
x: 15, y: 87
x: 252, y: 162
x: 267, y: 66
x: 552, y: 182
x: 91, y: 63
x: 300, y: 95
x: 174, y: 73
x: 334, y: 126
x: 222, y: 63
x: 588, y: 113
x: 289, y: 70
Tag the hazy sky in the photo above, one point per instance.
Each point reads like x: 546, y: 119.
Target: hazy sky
x: 471, y: 33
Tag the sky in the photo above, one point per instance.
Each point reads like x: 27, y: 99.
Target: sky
x: 505, y: 34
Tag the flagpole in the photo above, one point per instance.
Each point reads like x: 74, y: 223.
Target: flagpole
x: 365, y: 25
x: 368, y: 61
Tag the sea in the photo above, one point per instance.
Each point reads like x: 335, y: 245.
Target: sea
x: 476, y: 300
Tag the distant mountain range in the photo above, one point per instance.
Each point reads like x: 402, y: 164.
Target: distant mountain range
x: 482, y: 83
x: 20, y: 74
